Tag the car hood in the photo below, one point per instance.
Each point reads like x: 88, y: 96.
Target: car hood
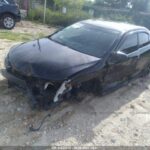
x: 47, y: 59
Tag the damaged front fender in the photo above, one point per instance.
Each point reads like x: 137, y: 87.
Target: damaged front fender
x: 64, y: 88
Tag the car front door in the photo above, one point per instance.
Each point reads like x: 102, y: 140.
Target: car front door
x: 121, y: 64
x: 144, y: 51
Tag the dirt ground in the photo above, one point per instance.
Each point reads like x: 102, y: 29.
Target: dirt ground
x: 120, y: 118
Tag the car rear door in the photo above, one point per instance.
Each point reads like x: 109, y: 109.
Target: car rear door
x: 144, y: 51
x: 122, y: 69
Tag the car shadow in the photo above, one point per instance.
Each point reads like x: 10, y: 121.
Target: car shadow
x: 72, y: 119
x: 93, y: 111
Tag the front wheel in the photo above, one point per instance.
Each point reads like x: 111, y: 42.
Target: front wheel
x: 8, y: 22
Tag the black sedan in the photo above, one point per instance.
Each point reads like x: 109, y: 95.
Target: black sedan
x: 92, y: 55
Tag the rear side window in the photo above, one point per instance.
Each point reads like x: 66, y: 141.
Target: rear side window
x: 130, y: 44
x: 143, y: 39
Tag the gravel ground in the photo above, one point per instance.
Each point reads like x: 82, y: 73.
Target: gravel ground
x: 120, y: 118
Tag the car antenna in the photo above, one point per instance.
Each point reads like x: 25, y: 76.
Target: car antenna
x: 38, y: 41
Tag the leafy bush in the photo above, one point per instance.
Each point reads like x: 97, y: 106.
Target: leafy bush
x: 142, y: 19
x: 121, y: 18
x: 35, y: 14
x: 56, y: 17
x: 114, y: 15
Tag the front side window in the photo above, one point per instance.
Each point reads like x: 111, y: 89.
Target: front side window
x: 130, y: 44
x: 143, y: 39
x: 88, y: 39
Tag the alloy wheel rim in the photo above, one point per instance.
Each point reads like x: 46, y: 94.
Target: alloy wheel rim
x: 8, y: 22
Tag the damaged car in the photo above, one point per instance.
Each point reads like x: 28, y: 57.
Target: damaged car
x: 92, y: 55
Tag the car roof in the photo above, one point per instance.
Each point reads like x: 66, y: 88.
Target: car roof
x: 117, y: 26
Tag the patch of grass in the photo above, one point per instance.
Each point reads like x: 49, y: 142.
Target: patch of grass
x: 14, y: 36
x: 18, y: 36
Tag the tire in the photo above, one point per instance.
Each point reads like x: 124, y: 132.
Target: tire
x: 8, y: 21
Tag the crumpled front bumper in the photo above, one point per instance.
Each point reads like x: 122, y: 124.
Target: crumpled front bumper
x: 63, y: 89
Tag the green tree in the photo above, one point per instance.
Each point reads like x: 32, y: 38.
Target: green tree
x: 73, y: 4
x: 112, y: 3
x: 140, y: 5
x: 50, y: 3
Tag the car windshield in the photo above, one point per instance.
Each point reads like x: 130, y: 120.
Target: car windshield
x: 86, y: 38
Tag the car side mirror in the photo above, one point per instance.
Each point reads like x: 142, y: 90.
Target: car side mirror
x: 121, y: 54
x: 117, y: 57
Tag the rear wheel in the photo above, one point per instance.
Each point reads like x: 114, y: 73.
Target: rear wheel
x: 8, y: 21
